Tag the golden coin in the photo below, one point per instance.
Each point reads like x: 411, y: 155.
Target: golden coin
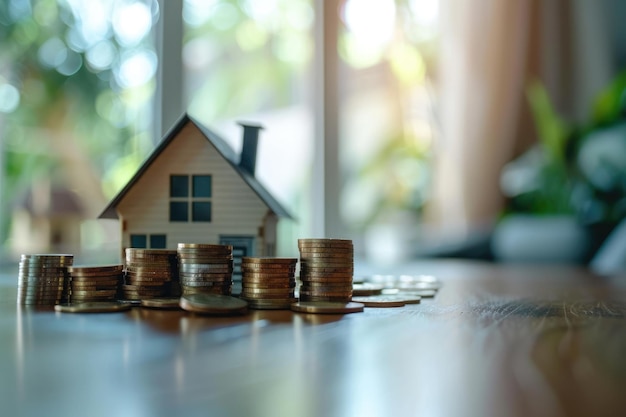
x: 98, y: 293
x: 326, y: 263
x: 327, y: 277
x: 330, y: 298
x: 88, y: 278
x: 277, y: 304
x: 162, y: 303
x: 340, y: 256
x: 213, y: 304
x: 93, y: 307
x: 266, y: 291
x: 284, y: 296
x: 261, y: 276
x: 323, y: 241
x: 190, y: 291
x: 199, y: 284
x: 267, y: 266
x: 95, y: 269
x: 327, y: 307
x: 203, y: 246
x: 268, y: 260
x: 220, y: 260
x: 103, y: 282
x: 206, y: 277
x: 268, y: 286
x: 314, y: 268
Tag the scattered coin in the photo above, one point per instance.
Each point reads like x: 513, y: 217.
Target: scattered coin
x: 92, y: 307
x: 411, y: 293
x: 162, y: 303
x: 213, y: 304
x: 366, y: 288
x: 380, y: 301
x: 320, y: 307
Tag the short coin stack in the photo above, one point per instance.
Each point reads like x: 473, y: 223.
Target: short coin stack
x: 205, y: 268
x: 94, y: 283
x: 42, y: 279
x: 326, y: 269
x: 150, y: 273
x: 268, y: 283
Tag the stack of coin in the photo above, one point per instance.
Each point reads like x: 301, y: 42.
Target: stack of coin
x: 268, y: 283
x: 326, y: 269
x: 205, y: 268
x: 94, y: 283
x: 150, y: 273
x: 42, y: 279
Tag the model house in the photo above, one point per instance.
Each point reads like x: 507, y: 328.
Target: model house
x: 193, y: 188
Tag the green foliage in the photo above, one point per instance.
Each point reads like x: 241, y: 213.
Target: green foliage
x: 610, y: 104
x: 559, y: 185
x: 553, y: 131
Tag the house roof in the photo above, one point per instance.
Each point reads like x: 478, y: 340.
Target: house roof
x: 221, y: 146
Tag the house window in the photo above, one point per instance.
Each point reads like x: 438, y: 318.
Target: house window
x: 190, y: 198
x: 138, y: 241
x: 141, y: 241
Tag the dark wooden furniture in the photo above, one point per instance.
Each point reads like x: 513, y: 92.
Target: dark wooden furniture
x: 496, y: 341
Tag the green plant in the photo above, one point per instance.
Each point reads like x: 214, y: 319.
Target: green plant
x: 574, y: 169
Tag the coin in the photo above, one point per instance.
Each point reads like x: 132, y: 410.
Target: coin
x: 267, y: 267
x: 213, y: 304
x: 92, y: 307
x: 206, y: 290
x: 206, y: 284
x: 207, y: 246
x: 380, y: 301
x: 269, y: 304
x: 162, y: 303
x: 96, y: 278
x: 324, y: 241
x: 412, y: 293
x: 268, y: 260
x: 366, y: 289
x: 320, y: 307
x: 245, y: 284
x: 75, y: 269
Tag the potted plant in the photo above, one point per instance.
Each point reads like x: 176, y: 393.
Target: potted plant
x: 569, y: 191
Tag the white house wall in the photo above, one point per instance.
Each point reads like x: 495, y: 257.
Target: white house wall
x: 236, y: 209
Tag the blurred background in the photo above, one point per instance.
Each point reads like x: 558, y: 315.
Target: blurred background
x: 418, y: 128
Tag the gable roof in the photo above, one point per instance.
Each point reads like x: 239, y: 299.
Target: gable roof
x: 221, y: 146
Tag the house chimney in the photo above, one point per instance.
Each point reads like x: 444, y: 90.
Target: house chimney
x: 248, y: 151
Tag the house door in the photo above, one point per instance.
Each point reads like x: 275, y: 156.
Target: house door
x: 242, y: 246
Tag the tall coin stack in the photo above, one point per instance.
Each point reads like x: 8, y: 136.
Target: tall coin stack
x: 268, y: 283
x: 94, y: 283
x: 205, y: 268
x: 326, y: 269
x: 150, y: 273
x: 42, y: 279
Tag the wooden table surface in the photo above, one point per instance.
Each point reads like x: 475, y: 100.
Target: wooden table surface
x: 496, y: 341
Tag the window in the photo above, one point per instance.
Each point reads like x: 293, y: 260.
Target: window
x: 138, y: 241
x: 157, y: 241
x: 194, y: 205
